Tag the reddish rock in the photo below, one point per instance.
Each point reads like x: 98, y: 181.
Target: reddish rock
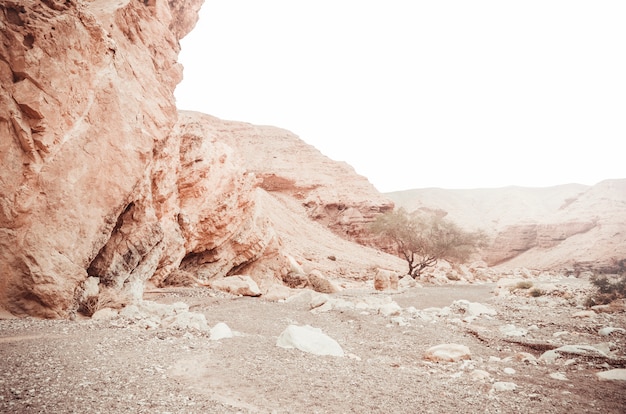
x: 86, y: 100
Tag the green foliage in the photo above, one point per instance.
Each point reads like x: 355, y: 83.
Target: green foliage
x: 609, y: 287
x: 423, y: 240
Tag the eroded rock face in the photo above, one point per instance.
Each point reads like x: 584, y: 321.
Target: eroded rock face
x: 562, y: 227
x: 332, y: 193
x: 104, y: 185
x: 517, y: 239
x: 86, y: 100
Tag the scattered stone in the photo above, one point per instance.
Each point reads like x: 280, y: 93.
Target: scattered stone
x: 320, y: 283
x: 399, y: 320
x: 385, y: 280
x: 551, y: 356
x: 407, y: 282
x: 187, y: 320
x: 609, y: 330
x: 277, y: 292
x: 237, y: 285
x: 479, y: 375
x: 584, y: 314
x: 509, y: 371
x: 105, y: 314
x: 220, y: 331
x: 559, y: 376
x: 318, y: 300
x: 447, y: 353
x: 471, y: 310
x: 390, y: 309
x: 310, y: 340
x: 612, y: 375
x: 511, y: 330
x: 525, y: 357
x: 504, y: 386
x: 151, y: 315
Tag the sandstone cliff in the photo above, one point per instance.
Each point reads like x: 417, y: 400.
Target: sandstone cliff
x: 542, y: 228
x: 331, y: 192
x: 104, y: 186
x: 86, y: 103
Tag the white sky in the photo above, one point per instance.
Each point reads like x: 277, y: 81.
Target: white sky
x: 413, y: 94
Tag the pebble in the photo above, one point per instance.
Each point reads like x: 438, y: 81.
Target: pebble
x: 504, y: 386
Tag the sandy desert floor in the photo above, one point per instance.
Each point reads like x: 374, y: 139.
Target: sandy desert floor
x: 116, y: 365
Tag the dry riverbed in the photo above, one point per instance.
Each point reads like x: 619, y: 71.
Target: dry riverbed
x: 123, y: 364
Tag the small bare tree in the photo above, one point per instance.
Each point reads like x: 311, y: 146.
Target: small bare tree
x: 423, y: 240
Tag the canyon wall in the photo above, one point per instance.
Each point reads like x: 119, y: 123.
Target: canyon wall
x: 104, y: 186
x: 331, y: 192
x: 86, y: 104
x: 561, y: 227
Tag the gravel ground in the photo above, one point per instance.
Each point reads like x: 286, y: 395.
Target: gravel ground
x: 110, y: 366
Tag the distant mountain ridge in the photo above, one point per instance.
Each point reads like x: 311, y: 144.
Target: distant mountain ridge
x: 563, y: 226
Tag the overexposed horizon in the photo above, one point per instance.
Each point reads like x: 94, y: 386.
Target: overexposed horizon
x: 417, y: 94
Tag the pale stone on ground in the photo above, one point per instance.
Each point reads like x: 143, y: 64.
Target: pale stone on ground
x: 447, y: 353
x: 613, y: 375
x: 220, y: 331
x: 609, y: 330
x: 310, y: 340
x: 237, y: 285
x: 504, y: 386
x: 105, y: 314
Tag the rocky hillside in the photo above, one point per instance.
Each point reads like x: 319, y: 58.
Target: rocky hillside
x: 566, y: 226
x: 103, y: 187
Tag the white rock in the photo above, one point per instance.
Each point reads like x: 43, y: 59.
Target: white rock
x: 612, y: 375
x: 558, y: 376
x: 472, y: 308
x: 317, y: 300
x: 237, y: 285
x: 511, y: 330
x: 131, y: 312
x: 479, y: 375
x: 447, y: 353
x: 407, y: 282
x: 187, y: 320
x: 504, y: 386
x: 509, y: 371
x: 220, y: 331
x: 390, y: 309
x: 105, y: 314
x: 309, y: 339
x: 277, y: 292
x: 609, y: 330
x: 294, y: 265
x: 551, y: 356
x: 399, y: 320
x: 584, y: 314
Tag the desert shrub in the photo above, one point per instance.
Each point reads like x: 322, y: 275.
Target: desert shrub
x: 106, y: 299
x: 536, y: 292
x: 607, y: 289
x: 423, y: 240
